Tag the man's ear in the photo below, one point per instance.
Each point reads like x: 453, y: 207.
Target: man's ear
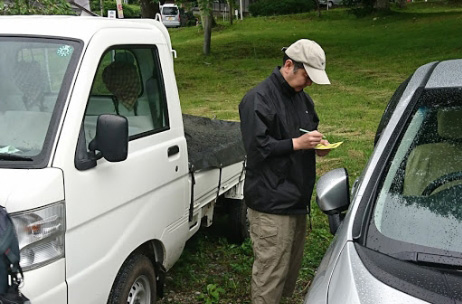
x: 289, y: 64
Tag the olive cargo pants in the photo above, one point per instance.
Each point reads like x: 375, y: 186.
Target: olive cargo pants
x: 278, y: 242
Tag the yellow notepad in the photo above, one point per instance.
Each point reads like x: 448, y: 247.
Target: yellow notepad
x: 329, y: 146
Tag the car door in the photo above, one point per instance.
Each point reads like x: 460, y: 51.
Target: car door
x: 113, y: 208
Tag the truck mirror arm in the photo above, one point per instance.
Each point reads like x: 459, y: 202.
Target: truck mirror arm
x: 92, y: 146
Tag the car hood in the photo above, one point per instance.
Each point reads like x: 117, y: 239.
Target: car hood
x: 23, y: 189
x: 351, y: 282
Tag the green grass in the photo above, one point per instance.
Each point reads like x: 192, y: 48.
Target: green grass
x: 367, y: 59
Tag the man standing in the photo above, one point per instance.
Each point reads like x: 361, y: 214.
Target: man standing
x: 280, y: 169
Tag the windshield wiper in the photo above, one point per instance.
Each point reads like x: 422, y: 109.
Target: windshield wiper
x: 429, y: 259
x: 13, y: 157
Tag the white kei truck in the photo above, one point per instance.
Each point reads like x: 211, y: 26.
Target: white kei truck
x: 104, y: 176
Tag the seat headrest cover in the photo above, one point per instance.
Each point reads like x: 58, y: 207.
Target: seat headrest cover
x: 29, y: 79
x: 450, y: 123
x: 122, y: 80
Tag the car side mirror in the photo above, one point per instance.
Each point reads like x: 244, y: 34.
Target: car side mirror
x: 333, y: 196
x: 111, y: 137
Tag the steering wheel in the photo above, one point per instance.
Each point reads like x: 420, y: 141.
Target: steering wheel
x: 441, y: 181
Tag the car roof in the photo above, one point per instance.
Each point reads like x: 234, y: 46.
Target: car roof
x: 438, y: 74
x: 446, y: 74
x: 77, y: 27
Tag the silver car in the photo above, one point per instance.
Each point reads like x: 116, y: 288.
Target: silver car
x: 331, y: 3
x: 400, y: 241
x: 170, y: 15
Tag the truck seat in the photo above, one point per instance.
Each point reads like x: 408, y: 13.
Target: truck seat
x: 31, y: 81
x: 428, y: 162
x: 122, y: 80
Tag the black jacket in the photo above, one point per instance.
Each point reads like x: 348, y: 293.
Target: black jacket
x: 278, y: 180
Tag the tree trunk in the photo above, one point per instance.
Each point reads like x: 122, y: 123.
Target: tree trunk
x: 402, y: 3
x: 318, y: 7
x: 207, y: 19
x: 382, y: 5
x: 231, y: 11
x: 149, y: 9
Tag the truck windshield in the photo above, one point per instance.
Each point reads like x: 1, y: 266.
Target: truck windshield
x: 418, y: 207
x: 34, y: 80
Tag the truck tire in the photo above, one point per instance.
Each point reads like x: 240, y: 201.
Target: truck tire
x: 238, y: 222
x: 135, y: 282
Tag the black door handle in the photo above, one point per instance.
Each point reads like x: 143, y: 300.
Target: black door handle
x: 173, y: 150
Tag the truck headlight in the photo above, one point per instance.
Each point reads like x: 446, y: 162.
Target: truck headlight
x: 40, y: 234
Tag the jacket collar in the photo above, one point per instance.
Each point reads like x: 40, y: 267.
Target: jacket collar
x: 286, y: 88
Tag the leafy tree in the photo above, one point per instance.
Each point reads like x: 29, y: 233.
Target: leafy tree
x: 149, y: 8
x: 280, y: 7
x: 131, y: 10
x: 206, y: 11
x: 382, y: 4
x: 361, y: 8
x: 36, y: 7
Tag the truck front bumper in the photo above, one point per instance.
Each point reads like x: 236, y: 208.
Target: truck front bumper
x: 46, y: 284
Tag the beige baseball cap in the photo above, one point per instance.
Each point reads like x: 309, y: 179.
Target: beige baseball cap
x: 313, y: 58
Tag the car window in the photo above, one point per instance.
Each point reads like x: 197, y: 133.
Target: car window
x: 418, y: 203
x: 170, y: 11
x: 128, y: 83
x: 34, y: 79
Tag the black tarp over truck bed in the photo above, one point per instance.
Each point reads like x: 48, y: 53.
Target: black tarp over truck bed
x: 212, y: 143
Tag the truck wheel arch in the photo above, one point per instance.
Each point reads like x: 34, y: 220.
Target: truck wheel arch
x: 154, y: 251
x: 135, y: 281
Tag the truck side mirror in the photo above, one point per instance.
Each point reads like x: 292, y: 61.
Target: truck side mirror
x: 333, y: 197
x: 111, y: 137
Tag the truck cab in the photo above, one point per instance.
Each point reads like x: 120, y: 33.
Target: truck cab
x: 93, y: 157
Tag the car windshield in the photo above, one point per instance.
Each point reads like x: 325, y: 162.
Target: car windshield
x: 419, y: 202
x: 171, y: 11
x: 32, y: 77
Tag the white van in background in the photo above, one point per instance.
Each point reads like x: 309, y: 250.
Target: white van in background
x: 170, y: 15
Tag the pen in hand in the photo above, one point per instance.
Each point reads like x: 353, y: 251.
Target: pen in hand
x: 306, y: 131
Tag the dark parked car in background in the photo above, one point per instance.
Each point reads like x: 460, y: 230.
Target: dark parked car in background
x: 400, y: 241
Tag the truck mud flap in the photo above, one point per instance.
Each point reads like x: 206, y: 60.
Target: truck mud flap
x: 193, y: 182
x: 160, y: 272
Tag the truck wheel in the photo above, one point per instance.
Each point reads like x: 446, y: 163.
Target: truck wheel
x: 238, y: 222
x: 135, y: 283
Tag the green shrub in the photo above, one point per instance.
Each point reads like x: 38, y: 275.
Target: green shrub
x: 44, y: 7
x: 280, y: 7
x: 187, y: 17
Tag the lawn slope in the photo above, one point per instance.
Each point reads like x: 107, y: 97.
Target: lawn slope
x: 367, y: 59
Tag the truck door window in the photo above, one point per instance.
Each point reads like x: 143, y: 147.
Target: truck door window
x: 128, y: 82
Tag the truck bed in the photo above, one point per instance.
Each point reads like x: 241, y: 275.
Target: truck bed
x: 216, y: 159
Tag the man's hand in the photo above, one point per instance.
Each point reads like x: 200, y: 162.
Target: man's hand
x: 307, y: 141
